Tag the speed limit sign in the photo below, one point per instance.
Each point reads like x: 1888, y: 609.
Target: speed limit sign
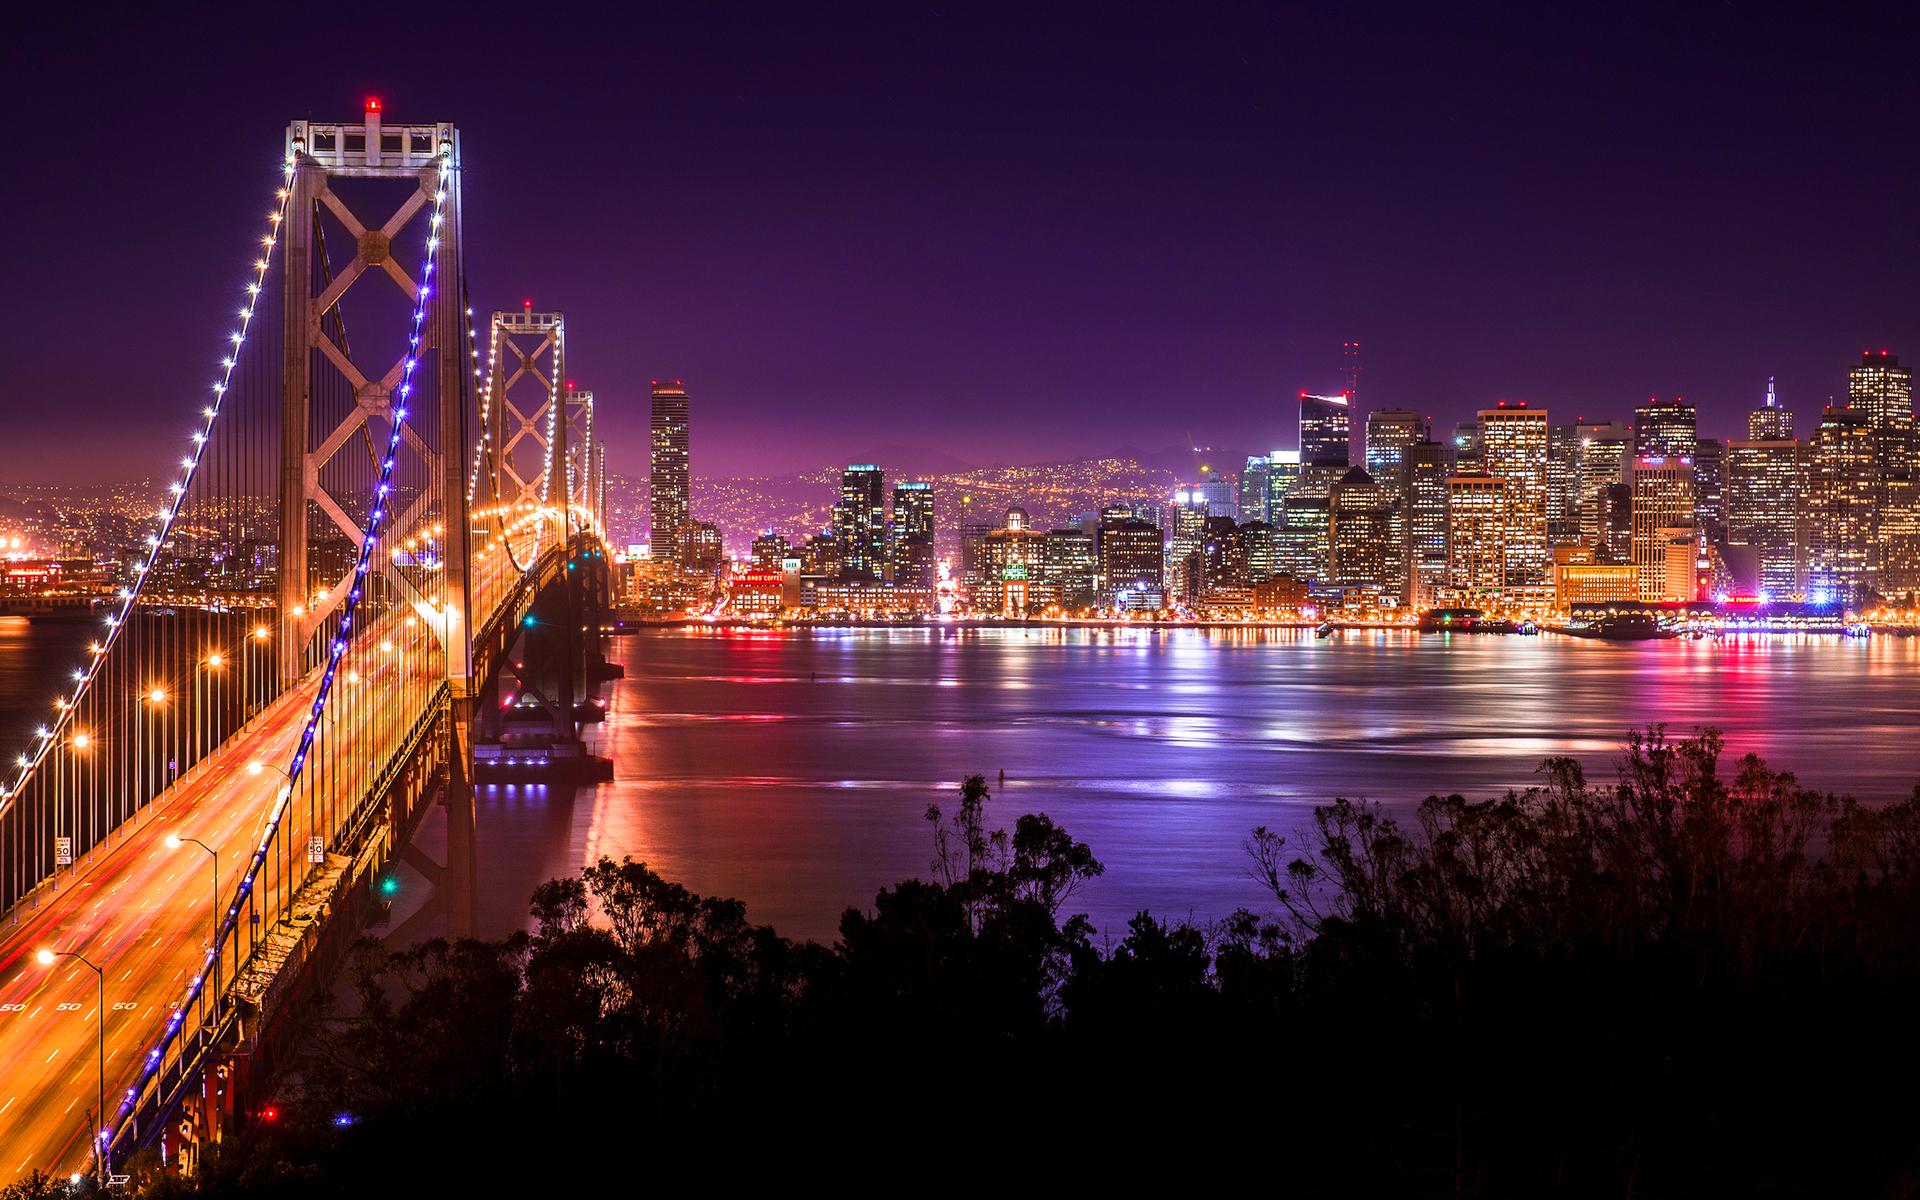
x: 316, y: 849
x: 62, y: 852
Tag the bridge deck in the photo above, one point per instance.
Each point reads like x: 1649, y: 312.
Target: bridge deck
x: 143, y: 913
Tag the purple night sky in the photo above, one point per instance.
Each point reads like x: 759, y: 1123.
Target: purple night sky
x: 1006, y: 234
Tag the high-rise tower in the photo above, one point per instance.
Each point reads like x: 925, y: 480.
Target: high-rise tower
x: 1326, y: 430
x: 860, y: 522
x: 1770, y: 422
x: 670, y: 496
x: 1513, y: 440
x: 1664, y: 429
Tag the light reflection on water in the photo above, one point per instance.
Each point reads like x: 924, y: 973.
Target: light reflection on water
x: 793, y: 771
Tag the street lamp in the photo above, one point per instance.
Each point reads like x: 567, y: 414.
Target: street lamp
x: 173, y: 843
x: 46, y: 958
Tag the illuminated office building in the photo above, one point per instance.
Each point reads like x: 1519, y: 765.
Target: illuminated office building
x: 1603, y: 447
x: 1513, y: 441
x: 1361, y: 549
x: 1770, y: 422
x: 1562, y: 500
x: 769, y: 551
x: 1710, y: 489
x: 1132, y: 561
x: 1664, y: 429
x: 1253, y: 488
x: 1466, y: 448
x: 1662, y: 503
x: 670, y: 491
x: 1389, y: 432
x: 910, y: 535
x: 1283, y: 468
x: 1766, y: 508
x: 860, y: 523
x: 1476, y: 537
x: 1071, y: 568
x: 1326, y: 430
x: 1840, y: 505
x: 1880, y: 388
x: 1423, y: 522
x: 1014, y: 567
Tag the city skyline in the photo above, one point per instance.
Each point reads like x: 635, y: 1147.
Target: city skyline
x: 970, y: 244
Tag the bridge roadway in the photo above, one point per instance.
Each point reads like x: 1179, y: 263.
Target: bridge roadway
x: 143, y: 913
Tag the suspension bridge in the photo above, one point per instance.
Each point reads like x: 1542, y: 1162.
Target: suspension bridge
x: 378, y: 574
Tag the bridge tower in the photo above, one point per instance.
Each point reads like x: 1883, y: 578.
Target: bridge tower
x: 332, y: 388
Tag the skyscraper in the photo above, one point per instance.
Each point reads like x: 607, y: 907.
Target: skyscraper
x: 1253, y: 488
x: 910, y: 535
x: 1766, y: 507
x: 1770, y: 422
x: 1710, y: 489
x: 1326, y: 431
x: 860, y: 522
x: 670, y: 494
x: 1664, y: 429
x: 1360, y: 549
x: 1880, y: 388
x: 1840, y: 495
x: 1662, y: 504
x: 1476, y: 536
x: 1283, y: 467
x: 1424, y: 522
x: 1389, y: 432
x: 1603, y: 450
x: 1513, y: 441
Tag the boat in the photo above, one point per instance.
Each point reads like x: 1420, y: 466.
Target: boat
x: 1624, y: 627
x: 1325, y: 629
x: 1528, y: 627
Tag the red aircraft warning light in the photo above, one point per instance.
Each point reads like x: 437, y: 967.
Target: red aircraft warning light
x: 373, y: 104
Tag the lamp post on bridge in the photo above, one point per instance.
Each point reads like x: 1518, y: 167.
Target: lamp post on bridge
x: 46, y: 958
x: 173, y: 843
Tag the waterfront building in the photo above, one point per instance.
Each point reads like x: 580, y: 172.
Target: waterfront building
x: 1014, y: 565
x: 756, y: 593
x: 1282, y: 593
x: 1664, y: 429
x: 1423, y: 523
x: 1361, y: 549
x: 1390, y: 431
x: 866, y: 598
x: 1580, y: 580
x: 910, y: 557
x: 1662, y: 502
x: 1476, y: 536
x: 1513, y: 441
x: 1326, y: 431
x: 860, y: 522
x: 1071, y: 568
x: 1132, y: 561
x: 1710, y: 490
x: 1766, y: 508
x: 1840, y: 493
x: 1895, y: 568
x: 670, y: 487
x: 1770, y: 422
